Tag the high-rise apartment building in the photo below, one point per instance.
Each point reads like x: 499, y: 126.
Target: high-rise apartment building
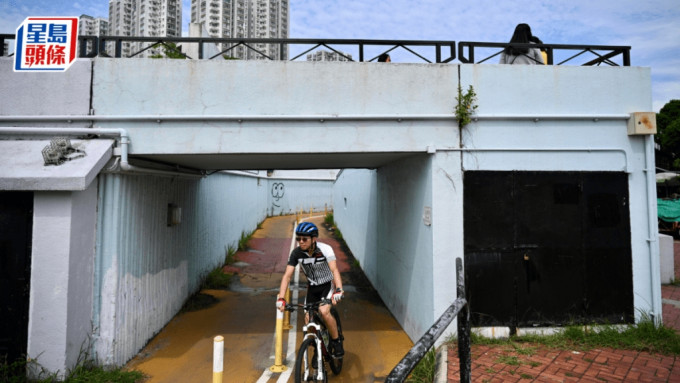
x: 144, y: 18
x: 246, y: 19
x: 270, y: 20
x: 223, y: 19
x: 91, y: 26
x: 120, y: 23
x: 152, y: 18
x: 328, y: 56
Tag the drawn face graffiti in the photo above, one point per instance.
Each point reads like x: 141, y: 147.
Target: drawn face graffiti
x: 277, y: 192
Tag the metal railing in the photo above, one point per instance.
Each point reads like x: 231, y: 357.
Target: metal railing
x: 458, y: 309
x: 438, y: 51
x: 466, y: 52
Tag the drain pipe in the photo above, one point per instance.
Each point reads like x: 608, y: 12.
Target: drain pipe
x: 115, y: 132
x: 311, y: 117
x: 653, y: 240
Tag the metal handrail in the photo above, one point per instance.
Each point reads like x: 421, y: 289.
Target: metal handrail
x: 624, y: 51
x: 465, y: 52
x: 458, y: 309
x: 98, y: 45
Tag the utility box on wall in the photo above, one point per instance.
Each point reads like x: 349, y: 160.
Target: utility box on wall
x: 642, y: 123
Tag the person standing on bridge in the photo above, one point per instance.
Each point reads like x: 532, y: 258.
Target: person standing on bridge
x: 517, y: 55
x: 317, y: 261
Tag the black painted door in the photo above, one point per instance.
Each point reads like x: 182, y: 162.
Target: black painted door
x: 547, y: 248
x: 16, y: 221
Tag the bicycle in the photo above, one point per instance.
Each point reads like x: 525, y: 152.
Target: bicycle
x: 314, y: 351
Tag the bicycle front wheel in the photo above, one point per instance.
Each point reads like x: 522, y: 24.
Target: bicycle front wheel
x: 307, y: 367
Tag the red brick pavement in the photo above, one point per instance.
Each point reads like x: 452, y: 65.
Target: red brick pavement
x: 536, y: 363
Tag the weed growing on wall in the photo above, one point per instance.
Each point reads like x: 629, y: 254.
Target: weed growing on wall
x: 466, y: 106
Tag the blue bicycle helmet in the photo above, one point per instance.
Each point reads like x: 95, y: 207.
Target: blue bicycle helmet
x: 307, y: 228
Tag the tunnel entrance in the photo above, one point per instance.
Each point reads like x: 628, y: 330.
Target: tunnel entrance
x: 16, y: 222
x: 547, y: 248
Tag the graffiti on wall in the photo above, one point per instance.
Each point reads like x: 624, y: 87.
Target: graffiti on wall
x: 278, y: 190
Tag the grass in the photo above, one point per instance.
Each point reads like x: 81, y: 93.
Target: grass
x: 84, y: 372
x: 230, y: 252
x: 328, y: 219
x: 644, y: 336
x: 510, y: 360
x: 243, y: 241
x: 425, y: 369
x: 216, y: 279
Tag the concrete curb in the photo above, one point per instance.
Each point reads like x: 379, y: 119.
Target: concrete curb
x: 442, y: 365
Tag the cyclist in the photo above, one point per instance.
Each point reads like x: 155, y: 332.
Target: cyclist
x: 317, y: 261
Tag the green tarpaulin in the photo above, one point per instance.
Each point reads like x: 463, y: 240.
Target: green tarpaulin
x: 668, y: 210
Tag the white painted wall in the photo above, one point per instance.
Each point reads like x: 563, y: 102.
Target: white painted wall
x: 145, y: 270
x: 418, y: 289
x: 562, y: 144
x: 404, y: 252
x: 412, y: 265
x: 667, y: 258
x: 42, y: 93
x: 287, y: 196
x: 355, y: 211
x: 60, y: 310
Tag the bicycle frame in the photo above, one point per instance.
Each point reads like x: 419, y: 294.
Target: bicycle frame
x: 314, y: 333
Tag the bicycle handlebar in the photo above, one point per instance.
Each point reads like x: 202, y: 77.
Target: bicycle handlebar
x: 308, y: 306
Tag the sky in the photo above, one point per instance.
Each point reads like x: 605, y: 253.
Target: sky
x: 651, y: 28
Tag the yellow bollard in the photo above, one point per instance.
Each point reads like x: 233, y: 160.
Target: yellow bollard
x: 218, y: 358
x: 286, y: 314
x: 311, y: 211
x: 278, y: 354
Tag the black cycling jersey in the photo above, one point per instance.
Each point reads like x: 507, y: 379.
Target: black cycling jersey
x: 316, y: 266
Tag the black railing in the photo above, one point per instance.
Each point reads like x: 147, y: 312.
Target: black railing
x: 437, y: 51
x: 603, y: 54
x: 459, y: 309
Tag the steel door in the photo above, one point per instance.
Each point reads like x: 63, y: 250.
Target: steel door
x: 547, y: 248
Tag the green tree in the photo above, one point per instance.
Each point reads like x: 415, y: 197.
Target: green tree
x: 668, y: 136
x: 170, y: 51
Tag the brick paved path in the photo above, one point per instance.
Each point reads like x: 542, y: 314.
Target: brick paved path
x: 535, y: 363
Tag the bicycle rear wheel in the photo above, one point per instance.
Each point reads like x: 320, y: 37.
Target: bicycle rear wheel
x: 304, y: 364
x: 336, y: 364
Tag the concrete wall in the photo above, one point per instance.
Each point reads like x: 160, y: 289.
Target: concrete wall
x: 286, y: 196
x: 404, y: 255
x: 667, y: 258
x: 411, y: 262
x: 43, y: 93
x: 530, y: 118
x: 563, y: 143
x: 355, y: 211
x: 60, y: 310
x: 264, y: 88
x: 147, y: 269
